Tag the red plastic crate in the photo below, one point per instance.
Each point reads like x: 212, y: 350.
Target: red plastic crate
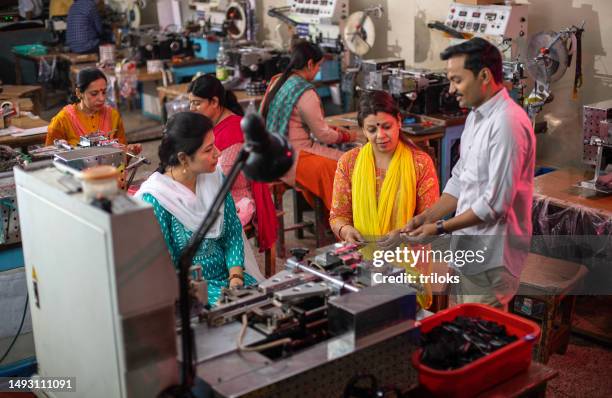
x: 487, y: 371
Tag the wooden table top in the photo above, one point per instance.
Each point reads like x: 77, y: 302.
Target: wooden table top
x: 22, y: 142
x: 519, y: 385
x: 78, y: 58
x: 447, y: 120
x: 16, y: 91
x: 176, y: 90
x: 142, y: 74
x: 173, y: 90
x: 559, y: 187
x: 522, y: 383
x: 72, y: 58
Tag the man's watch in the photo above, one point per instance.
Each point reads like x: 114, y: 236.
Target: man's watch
x: 440, y: 227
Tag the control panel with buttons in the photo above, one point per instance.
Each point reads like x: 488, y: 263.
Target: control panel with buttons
x: 319, y: 11
x: 506, y: 21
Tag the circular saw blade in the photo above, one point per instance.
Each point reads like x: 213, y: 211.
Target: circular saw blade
x: 359, y: 33
x: 544, y: 67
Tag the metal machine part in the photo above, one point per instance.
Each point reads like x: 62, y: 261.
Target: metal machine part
x: 359, y: 33
x: 232, y: 19
x: 304, y: 323
x: 320, y: 21
x: 377, y: 81
x: 80, y: 159
x: 257, y: 63
x: 318, y: 12
x: 323, y: 370
x: 95, y: 139
x: 594, y: 124
x: 110, y: 264
x: 504, y: 25
x: 602, y: 160
x: 153, y: 44
x: 383, y: 305
x: 514, y: 73
x: 550, y: 65
x: 422, y: 91
x: 549, y: 54
x: 206, y: 47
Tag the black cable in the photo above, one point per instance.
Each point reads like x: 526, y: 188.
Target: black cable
x: 10, y: 347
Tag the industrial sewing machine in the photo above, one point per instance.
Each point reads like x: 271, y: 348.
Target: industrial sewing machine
x: 422, y: 91
x: 419, y: 91
x: 310, y: 329
x: 257, y: 64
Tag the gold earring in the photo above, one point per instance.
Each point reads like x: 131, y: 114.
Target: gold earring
x: 184, y: 170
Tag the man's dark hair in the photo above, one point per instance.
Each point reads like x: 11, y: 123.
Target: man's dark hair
x: 479, y: 54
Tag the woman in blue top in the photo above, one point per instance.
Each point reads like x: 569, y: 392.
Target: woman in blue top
x: 182, y: 190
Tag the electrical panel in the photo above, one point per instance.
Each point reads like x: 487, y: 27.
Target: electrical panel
x: 507, y: 21
x: 319, y: 11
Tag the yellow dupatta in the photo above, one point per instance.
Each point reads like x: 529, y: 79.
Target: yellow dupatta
x: 374, y: 216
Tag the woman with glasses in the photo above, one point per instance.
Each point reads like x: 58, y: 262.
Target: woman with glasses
x: 208, y: 97
x: 181, y: 192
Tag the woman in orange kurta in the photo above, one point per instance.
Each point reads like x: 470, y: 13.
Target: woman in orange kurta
x: 383, y: 184
x: 89, y: 115
x: 380, y: 119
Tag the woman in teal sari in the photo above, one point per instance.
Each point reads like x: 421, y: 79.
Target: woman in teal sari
x: 182, y: 190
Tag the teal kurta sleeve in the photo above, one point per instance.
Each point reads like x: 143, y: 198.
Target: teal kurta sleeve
x: 231, y: 241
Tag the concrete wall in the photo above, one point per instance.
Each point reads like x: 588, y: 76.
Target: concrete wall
x: 403, y: 32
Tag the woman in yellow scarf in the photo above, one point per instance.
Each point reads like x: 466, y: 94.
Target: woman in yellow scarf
x: 379, y: 187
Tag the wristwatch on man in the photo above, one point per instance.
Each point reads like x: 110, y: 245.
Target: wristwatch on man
x: 440, y: 227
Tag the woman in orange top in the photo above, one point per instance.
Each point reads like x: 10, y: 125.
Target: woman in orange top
x: 89, y: 115
x: 388, y: 164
